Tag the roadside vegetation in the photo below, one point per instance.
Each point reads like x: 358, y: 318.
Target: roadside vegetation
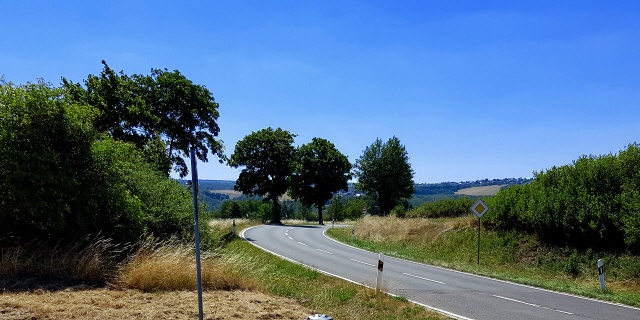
x: 507, y: 255
x: 158, y: 270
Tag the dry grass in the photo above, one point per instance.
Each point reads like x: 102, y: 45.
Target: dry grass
x: 415, y: 230
x: 156, y: 282
x: 133, y: 304
x: 170, y: 265
x: 93, y: 263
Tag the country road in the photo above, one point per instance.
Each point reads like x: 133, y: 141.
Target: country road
x: 459, y: 295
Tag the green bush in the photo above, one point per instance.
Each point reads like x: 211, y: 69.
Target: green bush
x: 592, y: 203
x: 60, y: 182
x: 442, y: 208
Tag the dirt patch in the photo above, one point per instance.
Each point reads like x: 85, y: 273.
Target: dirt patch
x: 103, y: 303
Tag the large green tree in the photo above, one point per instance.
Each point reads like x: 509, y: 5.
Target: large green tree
x: 320, y: 171
x: 384, y: 172
x: 161, y: 111
x: 268, y: 158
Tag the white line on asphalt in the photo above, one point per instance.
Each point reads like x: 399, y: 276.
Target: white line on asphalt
x: 358, y: 261
x: 427, y: 279
x: 531, y: 304
x: 324, y: 251
x: 289, y: 237
x: 302, y: 243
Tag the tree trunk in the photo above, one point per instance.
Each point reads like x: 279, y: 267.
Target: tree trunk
x: 276, y: 211
x: 320, y: 222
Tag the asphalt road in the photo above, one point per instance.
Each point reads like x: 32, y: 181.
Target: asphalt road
x: 459, y: 295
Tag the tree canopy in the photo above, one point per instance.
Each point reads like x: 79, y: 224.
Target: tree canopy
x: 268, y: 158
x: 320, y: 170
x: 384, y: 172
x: 161, y: 111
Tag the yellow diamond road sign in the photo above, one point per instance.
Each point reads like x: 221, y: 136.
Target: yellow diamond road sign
x: 479, y: 208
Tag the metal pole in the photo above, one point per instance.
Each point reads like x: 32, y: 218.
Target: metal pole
x: 478, y: 240
x: 196, y: 227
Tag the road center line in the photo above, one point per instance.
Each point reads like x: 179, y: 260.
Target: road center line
x: 427, y: 279
x: 324, y: 251
x: 358, y: 261
x: 302, y: 243
x: 531, y: 304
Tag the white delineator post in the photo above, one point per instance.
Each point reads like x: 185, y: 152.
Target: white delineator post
x: 380, y: 267
x: 601, y: 273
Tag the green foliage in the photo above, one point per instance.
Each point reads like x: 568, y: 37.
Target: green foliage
x: 59, y: 182
x: 384, y: 172
x: 346, y: 208
x: 320, y: 170
x: 442, y: 208
x: 45, y: 163
x: 164, y: 113
x: 591, y: 203
x: 268, y: 159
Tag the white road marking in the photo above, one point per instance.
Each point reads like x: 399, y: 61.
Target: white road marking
x: 358, y: 261
x: 289, y: 237
x: 427, y: 279
x: 302, y: 243
x: 531, y: 304
x: 324, y: 251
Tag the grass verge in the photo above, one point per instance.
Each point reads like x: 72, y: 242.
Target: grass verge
x: 452, y: 243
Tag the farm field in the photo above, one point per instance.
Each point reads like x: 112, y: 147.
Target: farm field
x: 481, y: 191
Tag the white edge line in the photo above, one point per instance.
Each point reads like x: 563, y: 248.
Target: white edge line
x: 503, y: 281
x: 450, y: 314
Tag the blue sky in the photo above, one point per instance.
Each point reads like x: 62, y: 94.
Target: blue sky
x: 472, y: 89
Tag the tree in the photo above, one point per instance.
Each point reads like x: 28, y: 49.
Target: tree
x: 162, y: 109
x: 320, y: 171
x: 384, y: 172
x: 268, y: 158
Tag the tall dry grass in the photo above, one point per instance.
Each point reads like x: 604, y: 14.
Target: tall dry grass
x: 415, y: 230
x: 171, y: 265
x: 95, y: 262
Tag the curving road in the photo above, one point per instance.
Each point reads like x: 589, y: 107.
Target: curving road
x: 459, y: 295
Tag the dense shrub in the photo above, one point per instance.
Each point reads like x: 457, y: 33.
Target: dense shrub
x: 442, y: 208
x: 60, y: 182
x: 594, y: 202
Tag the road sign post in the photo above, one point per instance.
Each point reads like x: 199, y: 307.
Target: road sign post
x: 479, y: 209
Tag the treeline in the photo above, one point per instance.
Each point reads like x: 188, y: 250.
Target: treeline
x: 594, y: 202
x: 339, y: 209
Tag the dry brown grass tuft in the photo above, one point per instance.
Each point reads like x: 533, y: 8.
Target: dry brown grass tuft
x: 93, y: 263
x: 170, y: 265
x: 416, y: 230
